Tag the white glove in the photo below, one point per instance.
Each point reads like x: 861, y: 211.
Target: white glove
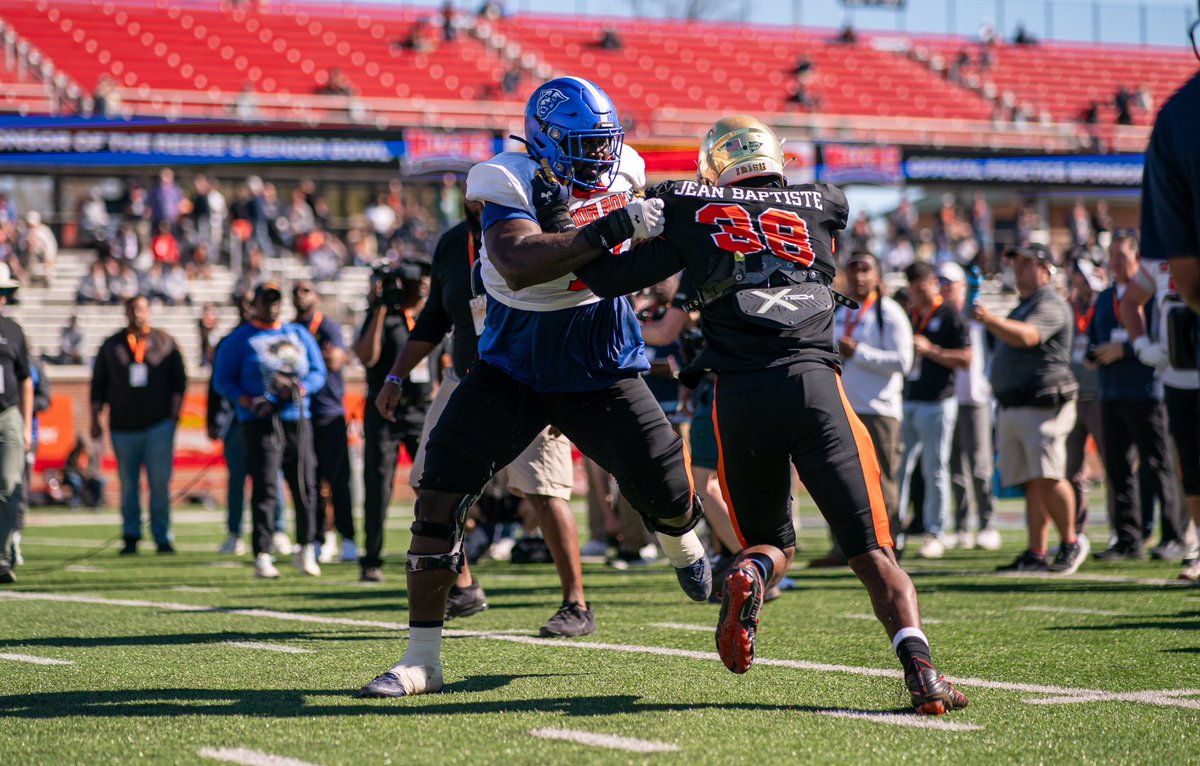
x: 1151, y: 354
x: 647, y: 218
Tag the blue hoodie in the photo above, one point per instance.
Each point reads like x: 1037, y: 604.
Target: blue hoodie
x: 251, y: 355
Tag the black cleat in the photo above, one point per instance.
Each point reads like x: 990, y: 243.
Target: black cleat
x: 569, y: 621
x: 130, y: 548
x: 741, y: 602
x: 931, y: 693
x: 696, y: 579
x: 464, y: 602
x: 1026, y: 562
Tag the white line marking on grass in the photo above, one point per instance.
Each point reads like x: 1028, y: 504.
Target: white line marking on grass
x: 683, y: 626
x: 1069, y: 610
x: 902, y: 719
x: 267, y: 647
x: 611, y: 741
x: 248, y: 757
x: 1166, y: 698
x: 193, y: 589
x: 33, y: 660
x: 873, y: 618
x: 227, y: 565
x: 82, y: 568
x: 1083, y: 578
x: 1143, y: 697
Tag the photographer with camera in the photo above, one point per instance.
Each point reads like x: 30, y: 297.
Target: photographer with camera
x: 397, y: 294
x: 269, y: 370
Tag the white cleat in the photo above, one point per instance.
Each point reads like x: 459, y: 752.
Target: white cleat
x: 405, y: 681
x: 306, y: 560
x: 264, y: 567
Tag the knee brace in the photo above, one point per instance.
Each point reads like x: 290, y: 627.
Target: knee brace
x: 655, y: 525
x: 452, y: 533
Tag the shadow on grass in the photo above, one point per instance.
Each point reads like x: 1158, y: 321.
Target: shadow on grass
x: 1144, y: 625
x: 177, y: 639
x: 308, y: 703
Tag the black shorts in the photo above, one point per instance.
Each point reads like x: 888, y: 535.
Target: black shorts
x: 490, y: 418
x: 768, y: 421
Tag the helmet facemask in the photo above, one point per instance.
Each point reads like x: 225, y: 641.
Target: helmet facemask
x: 586, y: 159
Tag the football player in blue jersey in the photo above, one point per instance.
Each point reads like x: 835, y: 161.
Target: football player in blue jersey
x: 550, y: 353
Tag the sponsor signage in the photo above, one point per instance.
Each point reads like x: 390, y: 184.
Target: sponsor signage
x: 1123, y: 170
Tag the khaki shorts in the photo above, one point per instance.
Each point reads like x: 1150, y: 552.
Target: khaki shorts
x: 544, y: 468
x: 1032, y: 442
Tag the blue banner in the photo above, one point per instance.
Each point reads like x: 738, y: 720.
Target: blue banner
x: 1096, y: 170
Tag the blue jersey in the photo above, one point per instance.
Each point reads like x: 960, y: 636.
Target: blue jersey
x: 559, y: 335
x: 252, y: 355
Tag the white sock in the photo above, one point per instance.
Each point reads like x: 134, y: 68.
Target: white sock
x: 683, y: 550
x: 904, y: 633
x: 424, y: 647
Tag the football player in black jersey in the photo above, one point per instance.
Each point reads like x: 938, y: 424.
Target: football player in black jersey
x: 758, y: 254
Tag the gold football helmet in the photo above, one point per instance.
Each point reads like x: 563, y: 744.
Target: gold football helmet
x: 736, y: 148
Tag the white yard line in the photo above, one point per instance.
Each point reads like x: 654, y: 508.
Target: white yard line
x: 902, y: 719
x: 193, y: 589
x: 33, y: 660
x: 82, y: 568
x: 873, y: 618
x: 1069, y: 610
x: 611, y: 741
x: 684, y: 626
x: 1167, y: 698
x: 266, y: 647
x: 248, y: 757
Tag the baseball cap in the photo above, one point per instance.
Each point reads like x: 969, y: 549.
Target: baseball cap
x: 1037, y: 252
x: 268, y: 289
x: 1091, y: 274
x: 949, y: 271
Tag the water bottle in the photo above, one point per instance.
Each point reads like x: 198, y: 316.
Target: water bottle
x: 974, y: 281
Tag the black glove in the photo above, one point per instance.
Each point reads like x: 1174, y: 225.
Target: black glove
x: 552, y: 212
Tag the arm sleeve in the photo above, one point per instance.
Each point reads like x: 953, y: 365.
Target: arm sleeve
x: 896, y: 353
x: 314, y: 381
x: 100, y: 375
x: 611, y: 276
x: 225, y: 369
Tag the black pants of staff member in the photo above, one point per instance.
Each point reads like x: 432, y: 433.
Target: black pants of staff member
x: 333, y: 466
x: 381, y: 448
x: 1140, y: 425
x: 1183, y: 410
x: 272, y: 446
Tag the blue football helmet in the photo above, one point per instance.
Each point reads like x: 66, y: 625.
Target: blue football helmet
x: 571, y: 126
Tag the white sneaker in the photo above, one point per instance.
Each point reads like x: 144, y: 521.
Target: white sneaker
x: 306, y: 560
x: 234, y: 545
x: 281, y: 544
x: 501, y: 550
x: 964, y: 540
x: 649, y: 552
x: 264, y: 566
x: 1190, y: 573
x: 327, y: 550
x: 594, y: 549
x: 349, y: 551
x: 18, y: 557
x: 988, y: 539
x: 932, y: 548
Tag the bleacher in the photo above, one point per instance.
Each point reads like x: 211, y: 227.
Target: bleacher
x: 44, y: 311
x: 190, y: 59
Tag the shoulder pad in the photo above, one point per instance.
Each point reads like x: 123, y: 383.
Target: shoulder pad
x: 633, y: 167
x: 503, y: 180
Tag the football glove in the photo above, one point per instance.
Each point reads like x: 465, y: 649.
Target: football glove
x: 642, y: 219
x: 549, y: 204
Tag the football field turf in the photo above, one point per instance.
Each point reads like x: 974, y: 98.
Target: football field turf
x: 188, y: 659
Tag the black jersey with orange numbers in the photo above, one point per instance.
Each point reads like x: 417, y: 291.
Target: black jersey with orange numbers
x: 707, y: 228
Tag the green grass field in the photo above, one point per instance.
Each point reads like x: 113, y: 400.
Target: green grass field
x: 1102, y: 667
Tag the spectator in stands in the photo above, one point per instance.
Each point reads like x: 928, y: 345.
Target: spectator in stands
x: 1023, y: 36
x: 93, y: 217
x: 847, y: 35
x: 139, y: 376
x: 971, y: 447
x: 207, y: 329
x: 859, y: 236
x: 70, y: 344
x: 1091, y: 113
x: 173, y: 286
x: 106, y: 98
x: 124, y: 285
x: 449, y: 31
x: 1133, y: 416
x: 803, y: 66
x: 245, y: 106
x: 609, y: 40
x: 93, y: 287
x: 382, y: 217
x: 329, y: 424
x: 301, y: 221
x: 164, y: 246
x: 876, y: 345
x: 209, y: 212
x: 1087, y: 281
x: 941, y: 346
x: 492, y: 10
x: 325, y: 256
x: 8, y: 210
x: 198, y: 267
x: 126, y: 245
x: 1102, y: 223
x: 16, y: 425
x: 802, y: 98
x: 1032, y: 381
x: 1123, y: 103
x: 510, y: 81
x: 336, y: 84
x: 40, y: 249
x: 165, y: 200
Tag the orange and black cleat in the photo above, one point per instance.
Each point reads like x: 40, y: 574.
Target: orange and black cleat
x: 741, y: 601
x: 931, y: 693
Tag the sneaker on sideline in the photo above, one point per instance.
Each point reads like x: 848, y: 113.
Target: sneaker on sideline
x: 264, y: 567
x: 464, y: 602
x: 234, y: 545
x: 1026, y: 562
x: 1069, y: 557
x: 569, y: 621
x: 593, y: 549
x: 932, y: 548
x: 281, y: 544
x: 327, y: 548
x: 988, y: 539
x: 306, y: 560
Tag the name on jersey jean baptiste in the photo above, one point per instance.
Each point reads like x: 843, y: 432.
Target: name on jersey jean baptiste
x: 807, y: 199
